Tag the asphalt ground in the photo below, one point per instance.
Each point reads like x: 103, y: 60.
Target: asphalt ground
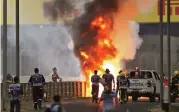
x: 85, y: 105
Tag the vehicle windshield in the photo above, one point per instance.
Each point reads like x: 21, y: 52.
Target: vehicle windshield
x: 140, y: 74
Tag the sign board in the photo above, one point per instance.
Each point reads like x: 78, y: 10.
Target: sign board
x: 32, y: 12
x: 153, y: 16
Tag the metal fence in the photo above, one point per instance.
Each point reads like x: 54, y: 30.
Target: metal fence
x: 66, y: 90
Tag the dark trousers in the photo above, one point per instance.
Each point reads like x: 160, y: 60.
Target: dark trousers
x: 15, y: 104
x: 123, y: 94
x: 37, y: 94
x: 95, y: 91
x: 175, y: 92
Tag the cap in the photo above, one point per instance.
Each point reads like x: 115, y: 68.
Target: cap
x: 107, y: 70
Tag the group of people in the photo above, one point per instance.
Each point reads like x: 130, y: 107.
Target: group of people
x: 37, y: 82
x: 108, y: 82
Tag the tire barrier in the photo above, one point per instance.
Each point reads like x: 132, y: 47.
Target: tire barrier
x: 66, y: 90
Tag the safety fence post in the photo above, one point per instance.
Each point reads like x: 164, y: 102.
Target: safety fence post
x: 70, y: 89
x: 65, y: 90
x: 75, y: 89
x: 80, y: 89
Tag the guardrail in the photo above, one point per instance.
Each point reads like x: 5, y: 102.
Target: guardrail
x: 65, y: 89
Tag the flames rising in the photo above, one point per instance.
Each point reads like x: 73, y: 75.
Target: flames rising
x: 93, y: 57
x: 100, y: 55
x: 103, y: 36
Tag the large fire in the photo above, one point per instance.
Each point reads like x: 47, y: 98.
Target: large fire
x: 104, y: 51
x: 102, y: 35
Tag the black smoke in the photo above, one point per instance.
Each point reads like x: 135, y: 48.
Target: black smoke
x: 58, y: 8
x: 83, y: 37
x: 81, y: 24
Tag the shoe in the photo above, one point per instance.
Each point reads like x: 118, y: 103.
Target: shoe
x: 40, y: 104
x: 121, y: 102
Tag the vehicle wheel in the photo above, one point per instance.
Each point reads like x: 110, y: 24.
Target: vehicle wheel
x: 127, y: 98
x: 159, y: 98
x: 173, y: 98
x: 134, y: 98
x: 152, y: 96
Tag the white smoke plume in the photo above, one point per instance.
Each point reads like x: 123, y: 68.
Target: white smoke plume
x: 48, y: 45
x: 126, y: 31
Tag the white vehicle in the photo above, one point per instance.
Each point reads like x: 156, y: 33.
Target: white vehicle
x: 146, y: 85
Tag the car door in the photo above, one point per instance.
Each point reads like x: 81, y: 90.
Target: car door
x: 157, y: 81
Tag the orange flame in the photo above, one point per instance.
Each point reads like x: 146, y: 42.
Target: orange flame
x: 115, y: 40
x: 102, y: 54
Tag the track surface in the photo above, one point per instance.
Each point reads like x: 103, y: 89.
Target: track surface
x: 85, y: 105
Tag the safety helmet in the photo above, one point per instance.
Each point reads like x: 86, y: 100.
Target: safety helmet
x: 120, y: 71
x: 176, y: 72
x: 122, y: 74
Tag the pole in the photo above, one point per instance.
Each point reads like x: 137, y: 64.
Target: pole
x: 17, y: 40
x: 4, y: 54
x: 169, y: 51
x: 161, y: 54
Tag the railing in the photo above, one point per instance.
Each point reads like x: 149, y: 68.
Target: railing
x: 65, y: 89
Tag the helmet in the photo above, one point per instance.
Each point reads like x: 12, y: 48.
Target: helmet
x: 176, y: 72
x: 120, y: 71
x: 122, y: 74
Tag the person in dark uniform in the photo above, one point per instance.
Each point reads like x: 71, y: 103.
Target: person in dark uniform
x: 16, y: 91
x: 175, y: 80
x: 123, y: 83
x: 108, y: 79
x: 37, y: 82
x: 95, y: 86
x: 117, y: 83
